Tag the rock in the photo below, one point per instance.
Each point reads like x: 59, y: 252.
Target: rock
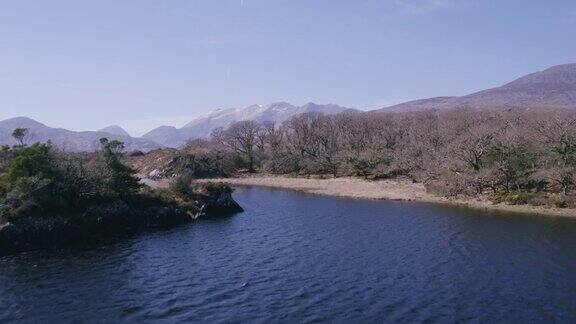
x: 219, y: 201
x: 154, y: 174
x: 6, y: 233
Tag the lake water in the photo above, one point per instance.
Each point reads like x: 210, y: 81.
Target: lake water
x: 292, y: 257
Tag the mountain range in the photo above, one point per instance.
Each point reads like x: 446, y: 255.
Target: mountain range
x: 202, y: 127
x: 551, y: 88
x: 70, y: 140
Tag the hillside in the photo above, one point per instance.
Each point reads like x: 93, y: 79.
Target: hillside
x: 115, y: 130
x: 551, y: 88
x: 69, y: 140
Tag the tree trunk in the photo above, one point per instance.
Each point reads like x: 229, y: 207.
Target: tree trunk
x: 251, y: 163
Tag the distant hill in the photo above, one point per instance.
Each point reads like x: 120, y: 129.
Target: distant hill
x: 115, y: 130
x: 69, y: 140
x: 551, y: 88
x: 202, y: 127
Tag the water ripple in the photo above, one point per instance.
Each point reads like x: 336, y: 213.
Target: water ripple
x: 299, y: 258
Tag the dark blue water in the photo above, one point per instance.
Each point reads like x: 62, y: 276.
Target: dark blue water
x: 294, y: 257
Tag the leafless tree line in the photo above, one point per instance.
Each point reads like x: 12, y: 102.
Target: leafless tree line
x: 456, y: 151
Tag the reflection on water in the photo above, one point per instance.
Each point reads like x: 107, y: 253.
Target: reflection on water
x: 296, y: 257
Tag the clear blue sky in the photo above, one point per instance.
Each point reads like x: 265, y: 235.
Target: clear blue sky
x: 140, y: 63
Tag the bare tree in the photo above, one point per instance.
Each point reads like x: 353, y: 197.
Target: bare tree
x: 558, y: 138
x: 462, y: 151
x: 242, y: 137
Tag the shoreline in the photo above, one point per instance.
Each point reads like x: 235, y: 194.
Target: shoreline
x: 396, y: 190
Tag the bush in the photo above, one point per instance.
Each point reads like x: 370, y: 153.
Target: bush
x: 513, y: 198
x: 521, y: 198
x: 539, y: 200
x: 136, y: 153
x: 563, y: 201
x: 39, y: 181
x: 560, y: 203
x: 214, y: 188
x: 182, y: 186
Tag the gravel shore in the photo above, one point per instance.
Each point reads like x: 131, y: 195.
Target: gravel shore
x: 382, y: 190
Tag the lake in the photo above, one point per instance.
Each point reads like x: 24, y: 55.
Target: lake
x: 293, y: 257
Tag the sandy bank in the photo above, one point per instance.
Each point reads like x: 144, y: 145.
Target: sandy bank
x: 383, y: 189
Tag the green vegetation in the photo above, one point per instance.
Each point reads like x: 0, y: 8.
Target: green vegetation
x: 20, y: 135
x: 40, y: 181
x: 49, y: 196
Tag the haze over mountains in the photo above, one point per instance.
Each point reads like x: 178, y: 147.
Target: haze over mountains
x: 70, y: 140
x: 551, y: 88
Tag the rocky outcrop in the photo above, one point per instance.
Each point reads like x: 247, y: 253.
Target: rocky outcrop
x: 218, y: 201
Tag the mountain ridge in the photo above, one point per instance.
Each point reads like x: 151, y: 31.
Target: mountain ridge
x: 202, y: 126
x: 554, y: 87
x: 82, y: 141
x: 115, y: 130
x: 162, y: 136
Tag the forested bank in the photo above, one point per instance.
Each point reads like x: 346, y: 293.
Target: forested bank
x: 515, y: 156
x: 49, y: 197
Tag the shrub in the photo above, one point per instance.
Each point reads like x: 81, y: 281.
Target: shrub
x: 512, y: 198
x: 539, y: 200
x: 564, y: 201
x: 182, y: 186
x: 520, y: 198
x: 560, y: 203
x: 214, y: 188
x: 136, y: 153
x: 39, y: 181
